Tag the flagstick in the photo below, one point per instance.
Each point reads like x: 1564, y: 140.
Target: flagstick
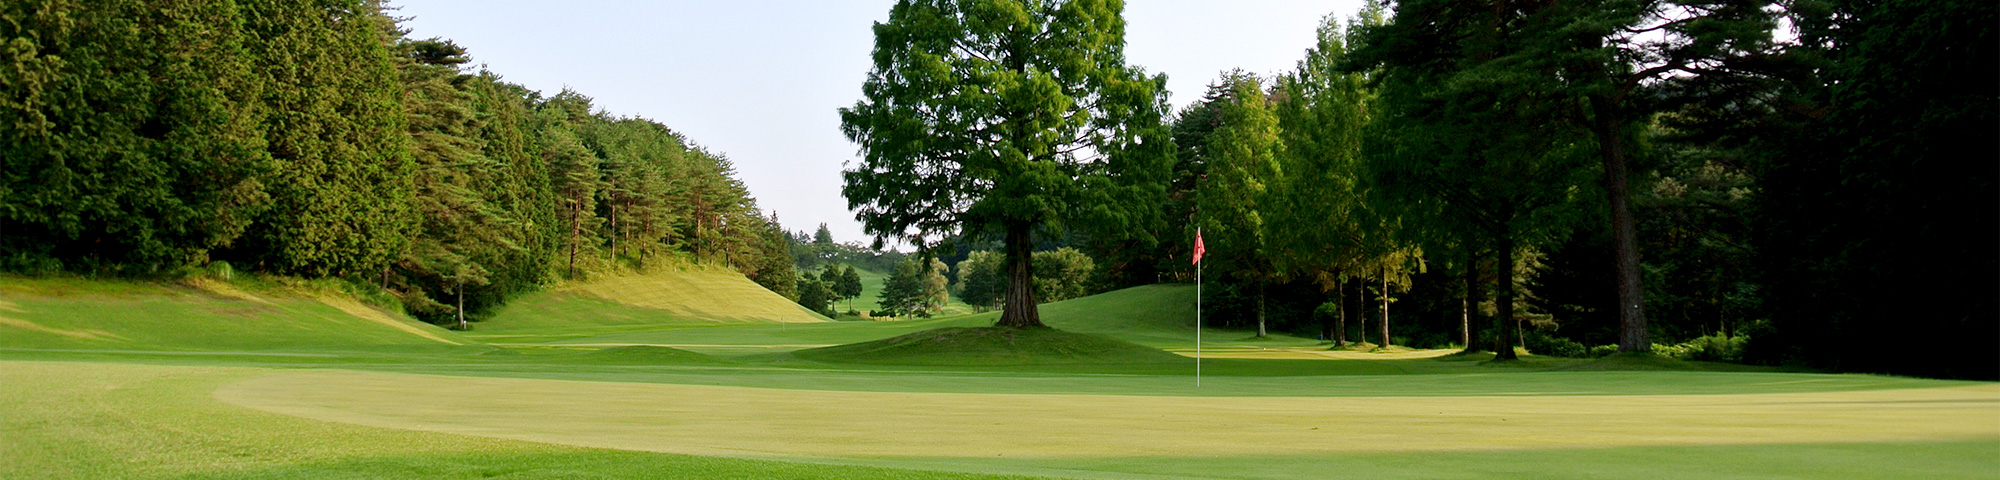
x: 1197, y: 315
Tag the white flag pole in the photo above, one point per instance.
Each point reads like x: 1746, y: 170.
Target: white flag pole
x: 1197, y: 315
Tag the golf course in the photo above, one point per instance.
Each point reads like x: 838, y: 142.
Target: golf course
x: 987, y: 239
x: 210, y: 378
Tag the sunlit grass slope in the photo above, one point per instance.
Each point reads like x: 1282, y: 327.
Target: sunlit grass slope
x: 692, y: 295
x: 1158, y: 316
x: 198, y: 314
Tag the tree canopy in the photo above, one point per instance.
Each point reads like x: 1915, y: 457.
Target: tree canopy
x: 1002, y: 115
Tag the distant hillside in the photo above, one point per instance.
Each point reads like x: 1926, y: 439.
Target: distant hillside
x: 689, y: 296
x: 195, y: 315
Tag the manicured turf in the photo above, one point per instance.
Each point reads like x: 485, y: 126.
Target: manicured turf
x: 723, y: 420
x: 979, y: 346
x: 581, y: 396
x: 100, y: 421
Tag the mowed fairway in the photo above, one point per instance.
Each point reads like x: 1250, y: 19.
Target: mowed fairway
x: 735, y: 420
x: 745, y: 403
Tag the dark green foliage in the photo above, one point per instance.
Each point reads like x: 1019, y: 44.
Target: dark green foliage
x: 918, y: 288
x: 848, y: 286
x: 313, y: 139
x: 775, y: 270
x: 1000, y: 117
x: 1877, y: 205
x: 1066, y: 274
x: 815, y: 295
x: 342, y: 190
x: 130, y: 135
x: 979, y: 279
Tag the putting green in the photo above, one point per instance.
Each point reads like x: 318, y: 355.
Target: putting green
x: 757, y: 422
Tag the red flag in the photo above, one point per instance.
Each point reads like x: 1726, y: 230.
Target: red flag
x: 1198, y: 249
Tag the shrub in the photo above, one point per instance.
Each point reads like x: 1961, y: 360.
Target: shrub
x: 1544, y: 344
x: 1713, y: 348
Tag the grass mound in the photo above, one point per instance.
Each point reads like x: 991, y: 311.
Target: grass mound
x: 986, y: 346
x: 692, y: 295
x: 199, y: 314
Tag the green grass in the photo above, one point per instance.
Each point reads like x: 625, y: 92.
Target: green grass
x: 678, y: 296
x: 871, y: 296
x: 1158, y: 316
x: 982, y: 346
x: 95, y: 421
x: 581, y: 396
x: 196, y: 314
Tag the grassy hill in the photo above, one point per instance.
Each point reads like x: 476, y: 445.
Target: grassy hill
x: 1159, y: 316
x: 197, y: 314
x: 684, y: 296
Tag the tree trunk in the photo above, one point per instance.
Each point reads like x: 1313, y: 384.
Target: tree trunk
x: 1361, y: 319
x: 575, y: 229
x: 1385, y: 306
x: 1019, y: 309
x: 614, y: 234
x: 1325, y: 326
x: 1503, y: 346
x: 1475, y: 301
x: 1340, y: 320
x: 461, y: 304
x: 1624, y: 236
x: 1260, y: 309
x: 1472, y: 299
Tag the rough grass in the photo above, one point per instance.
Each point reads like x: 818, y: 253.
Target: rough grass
x: 983, y: 346
x: 195, y: 314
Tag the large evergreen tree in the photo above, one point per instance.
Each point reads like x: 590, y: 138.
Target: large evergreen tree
x: 1242, y: 187
x: 1467, y: 141
x: 1002, y: 115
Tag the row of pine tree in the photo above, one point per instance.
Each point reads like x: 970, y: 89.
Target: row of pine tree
x: 315, y: 139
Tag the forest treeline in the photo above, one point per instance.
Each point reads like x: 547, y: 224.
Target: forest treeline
x: 1798, y: 182
x: 1433, y: 175
x: 314, y: 139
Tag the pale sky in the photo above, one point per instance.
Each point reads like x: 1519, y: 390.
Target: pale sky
x: 762, y: 81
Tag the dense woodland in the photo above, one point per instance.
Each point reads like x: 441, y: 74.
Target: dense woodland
x: 1764, y: 182
x: 314, y: 139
